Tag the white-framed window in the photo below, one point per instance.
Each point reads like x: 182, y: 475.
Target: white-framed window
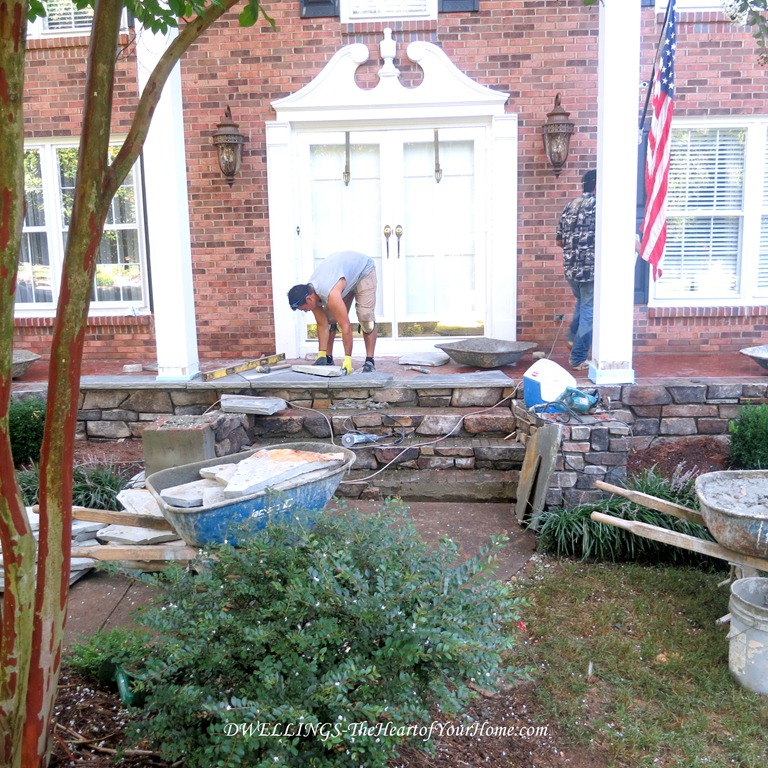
x: 691, y: 5
x: 717, y: 215
x: 386, y: 10
x: 120, y: 284
x: 63, y: 17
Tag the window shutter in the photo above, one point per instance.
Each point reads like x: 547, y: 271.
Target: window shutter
x: 454, y: 6
x: 314, y: 9
x: 641, y: 266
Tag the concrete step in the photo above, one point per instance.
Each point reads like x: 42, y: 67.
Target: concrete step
x: 433, y: 485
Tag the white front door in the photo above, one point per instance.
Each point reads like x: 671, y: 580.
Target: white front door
x: 422, y: 233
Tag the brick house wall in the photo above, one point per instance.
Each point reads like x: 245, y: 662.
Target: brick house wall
x: 530, y: 49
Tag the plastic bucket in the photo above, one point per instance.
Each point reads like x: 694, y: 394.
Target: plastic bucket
x: 748, y: 636
x: 544, y: 382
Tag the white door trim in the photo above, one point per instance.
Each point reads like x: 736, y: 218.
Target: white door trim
x: 446, y: 97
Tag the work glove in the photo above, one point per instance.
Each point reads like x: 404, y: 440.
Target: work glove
x: 347, y: 364
x: 322, y: 358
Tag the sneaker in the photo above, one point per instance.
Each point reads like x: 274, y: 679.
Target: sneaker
x: 582, y: 366
x: 322, y: 361
x: 368, y: 367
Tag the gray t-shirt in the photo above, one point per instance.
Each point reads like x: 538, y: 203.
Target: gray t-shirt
x: 350, y: 265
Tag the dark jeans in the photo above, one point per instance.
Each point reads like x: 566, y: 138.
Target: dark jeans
x: 580, y: 332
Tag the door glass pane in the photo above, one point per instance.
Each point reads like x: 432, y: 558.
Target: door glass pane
x: 438, y: 242
x: 346, y: 217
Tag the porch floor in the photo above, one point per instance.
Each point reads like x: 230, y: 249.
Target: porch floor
x: 647, y: 367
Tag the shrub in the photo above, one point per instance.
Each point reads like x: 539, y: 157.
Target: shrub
x: 93, y: 485
x: 354, y: 622
x: 26, y: 422
x: 749, y: 438
x: 572, y: 532
x: 116, y: 645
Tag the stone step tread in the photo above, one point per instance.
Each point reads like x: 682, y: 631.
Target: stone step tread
x: 394, y: 412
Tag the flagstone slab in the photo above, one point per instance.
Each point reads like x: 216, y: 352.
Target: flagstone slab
x: 213, y: 496
x: 425, y: 357
x: 261, y: 406
x: 140, y: 502
x: 329, y: 371
x: 187, y: 494
x: 264, y: 469
x: 82, y: 530
x: 221, y: 473
x: 124, y: 534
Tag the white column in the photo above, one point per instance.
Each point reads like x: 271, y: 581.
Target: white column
x: 617, y: 99
x: 283, y: 237
x: 165, y: 181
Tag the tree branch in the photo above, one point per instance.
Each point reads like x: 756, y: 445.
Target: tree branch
x: 134, y: 141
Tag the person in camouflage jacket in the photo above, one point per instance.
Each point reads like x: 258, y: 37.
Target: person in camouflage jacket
x: 576, y: 236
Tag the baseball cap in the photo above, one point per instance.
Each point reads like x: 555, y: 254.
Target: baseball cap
x: 298, y: 295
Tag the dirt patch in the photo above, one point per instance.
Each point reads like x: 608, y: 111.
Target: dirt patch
x: 128, y: 452
x: 504, y: 729
x: 689, y: 454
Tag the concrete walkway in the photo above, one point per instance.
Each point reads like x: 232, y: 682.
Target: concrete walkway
x: 101, y: 601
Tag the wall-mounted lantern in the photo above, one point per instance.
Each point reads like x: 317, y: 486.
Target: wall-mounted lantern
x: 557, y: 136
x: 229, y: 146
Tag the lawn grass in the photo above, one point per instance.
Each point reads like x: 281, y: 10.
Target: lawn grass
x: 660, y: 692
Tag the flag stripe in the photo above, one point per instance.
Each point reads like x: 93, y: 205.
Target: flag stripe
x: 657, y: 156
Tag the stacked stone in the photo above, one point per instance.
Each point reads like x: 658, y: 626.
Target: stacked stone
x: 83, y: 535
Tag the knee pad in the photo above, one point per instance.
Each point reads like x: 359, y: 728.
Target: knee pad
x: 368, y: 326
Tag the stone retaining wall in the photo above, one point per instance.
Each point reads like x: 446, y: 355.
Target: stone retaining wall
x: 482, y: 438
x: 635, y: 416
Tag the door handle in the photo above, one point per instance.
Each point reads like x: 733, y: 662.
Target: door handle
x: 387, y: 235
x: 398, y: 235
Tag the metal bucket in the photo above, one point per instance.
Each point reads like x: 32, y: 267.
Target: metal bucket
x: 748, y: 636
x: 734, y: 504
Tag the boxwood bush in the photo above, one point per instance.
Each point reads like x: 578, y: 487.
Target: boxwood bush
x: 749, y: 438
x: 320, y: 646
x: 26, y: 422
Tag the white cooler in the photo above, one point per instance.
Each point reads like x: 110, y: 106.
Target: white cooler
x: 544, y: 382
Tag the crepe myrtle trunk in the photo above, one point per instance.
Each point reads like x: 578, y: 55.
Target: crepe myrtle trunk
x: 18, y: 544
x: 33, y: 619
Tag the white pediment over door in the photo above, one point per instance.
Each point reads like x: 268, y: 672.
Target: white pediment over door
x: 445, y: 91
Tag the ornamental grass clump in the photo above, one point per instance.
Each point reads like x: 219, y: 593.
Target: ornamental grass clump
x: 571, y: 532
x: 319, y: 646
x: 93, y: 485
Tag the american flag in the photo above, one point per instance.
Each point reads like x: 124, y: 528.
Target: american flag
x: 657, y: 156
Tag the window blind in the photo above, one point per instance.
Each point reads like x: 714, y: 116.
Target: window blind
x: 63, y: 16
x: 704, y: 213
x: 762, y: 265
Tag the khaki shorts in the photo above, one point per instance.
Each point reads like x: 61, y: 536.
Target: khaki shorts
x: 364, y: 297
